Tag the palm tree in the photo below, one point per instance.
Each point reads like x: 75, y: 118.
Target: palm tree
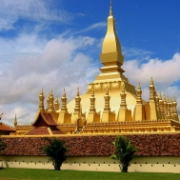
x: 124, y: 152
x: 56, y: 150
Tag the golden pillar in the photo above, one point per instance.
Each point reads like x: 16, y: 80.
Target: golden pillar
x: 152, y: 103
x: 93, y: 116
x: 124, y: 114
x: 50, y: 102
x: 77, y: 108
x: 15, y: 122
x: 161, y: 105
x: 107, y: 110
x: 174, y: 107
x: 56, y: 104
x: 64, y: 116
x: 139, y: 110
x: 41, y: 101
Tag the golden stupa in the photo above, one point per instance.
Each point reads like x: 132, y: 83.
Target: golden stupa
x: 111, y: 104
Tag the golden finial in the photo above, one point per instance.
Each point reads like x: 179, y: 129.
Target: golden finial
x: 160, y: 96
x: 92, y: 93
x: 111, y: 9
x: 15, y: 119
x: 51, y: 94
x: 57, y: 101
x: 41, y: 93
x: 139, y: 86
x: 165, y: 98
x: 152, y: 81
x: 170, y: 100
x: 123, y: 87
x: 64, y: 93
x: 77, y: 94
x: 107, y: 90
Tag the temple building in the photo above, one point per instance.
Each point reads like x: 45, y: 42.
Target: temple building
x: 111, y: 105
x: 4, y: 128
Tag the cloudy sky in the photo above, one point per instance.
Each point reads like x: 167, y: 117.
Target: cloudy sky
x: 55, y: 44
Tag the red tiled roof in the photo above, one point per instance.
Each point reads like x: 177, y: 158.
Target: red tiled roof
x: 4, y: 127
x: 49, y: 119
x: 45, y: 117
x: 39, y: 131
x: 43, y: 131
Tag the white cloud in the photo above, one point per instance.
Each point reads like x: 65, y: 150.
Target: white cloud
x: 92, y: 27
x: 164, y: 73
x: 35, y: 10
x: 135, y: 52
x: 57, y: 64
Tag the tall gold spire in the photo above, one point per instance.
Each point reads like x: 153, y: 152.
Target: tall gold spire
x: 111, y: 55
x: 111, y: 49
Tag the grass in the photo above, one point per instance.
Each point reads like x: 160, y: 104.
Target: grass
x: 42, y: 174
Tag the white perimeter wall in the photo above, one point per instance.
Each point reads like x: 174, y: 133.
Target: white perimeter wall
x: 139, y: 164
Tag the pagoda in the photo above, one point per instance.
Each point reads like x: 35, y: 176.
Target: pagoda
x: 111, y: 105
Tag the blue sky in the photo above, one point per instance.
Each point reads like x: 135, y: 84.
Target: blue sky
x: 55, y: 44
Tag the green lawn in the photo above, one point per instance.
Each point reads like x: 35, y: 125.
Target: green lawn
x: 37, y: 174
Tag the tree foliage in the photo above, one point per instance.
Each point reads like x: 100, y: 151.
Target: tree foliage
x: 2, y: 146
x: 57, y: 151
x: 124, y: 152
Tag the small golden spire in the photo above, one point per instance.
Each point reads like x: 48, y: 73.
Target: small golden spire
x: 139, y: 86
x: 123, y: 87
x: 41, y: 93
x: 152, y: 81
x: 41, y: 100
x: 174, y: 100
x: 107, y: 100
x: 92, y: 93
x: 165, y: 98
x: 64, y: 101
x: 107, y: 90
x: 56, y: 104
x: 64, y: 93
x: 15, y: 121
x: 139, y: 92
x: 77, y: 94
x: 77, y: 102
x: 111, y: 9
x: 160, y: 96
x: 50, y: 102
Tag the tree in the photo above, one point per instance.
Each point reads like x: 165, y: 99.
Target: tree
x: 56, y: 150
x: 124, y: 152
x: 2, y: 146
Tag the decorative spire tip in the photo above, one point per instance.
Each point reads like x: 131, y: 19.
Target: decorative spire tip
x: 111, y: 9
